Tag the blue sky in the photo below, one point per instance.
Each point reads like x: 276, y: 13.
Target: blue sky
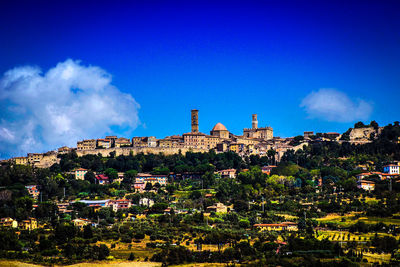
x: 227, y: 59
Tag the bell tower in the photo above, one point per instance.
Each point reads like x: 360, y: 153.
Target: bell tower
x: 254, y: 122
x: 195, y: 121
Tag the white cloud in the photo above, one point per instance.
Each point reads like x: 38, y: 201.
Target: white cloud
x: 334, y: 105
x: 70, y: 102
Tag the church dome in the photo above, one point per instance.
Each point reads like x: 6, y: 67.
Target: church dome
x: 219, y: 127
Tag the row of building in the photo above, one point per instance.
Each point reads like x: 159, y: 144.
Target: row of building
x: 143, y: 178
x: 253, y: 141
x: 219, y: 138
x: 40, y: 160
x: 29, y: 224
x: 140, y: 180
x: 366, y: 180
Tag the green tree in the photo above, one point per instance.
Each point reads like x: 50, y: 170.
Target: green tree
x: 148, y: 186
x: 359, y: 124
x: 87, y: 232
x: 46, y: 210
x: 131, y: 257
x: 111, y: 173
x: 271, y: 155
x: 374, y: 124
x: 208, y: 179
x: 104, y: 252
x: 23, y: 208
x: 90, y: 177
x: 129, y: 176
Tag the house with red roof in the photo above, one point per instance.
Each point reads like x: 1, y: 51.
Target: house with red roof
x: 102, y: 179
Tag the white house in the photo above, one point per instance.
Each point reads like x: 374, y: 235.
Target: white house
x: 391, y: 169
x: 80, y: 173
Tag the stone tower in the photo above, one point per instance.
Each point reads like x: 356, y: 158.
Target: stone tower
x: 254, y: 122
x: 195, y: 121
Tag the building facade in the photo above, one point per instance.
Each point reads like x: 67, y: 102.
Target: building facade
x: 391, y: 169
x: 220, y: 131
x: 265, y: 133
x: 89, y: 144
x: 151, y: 178
x: 80, y: 173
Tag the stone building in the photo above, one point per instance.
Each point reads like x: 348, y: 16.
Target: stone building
x: 174, y: 141
x: 122, y: 142
x: 308, y: 134
x: 112, y: 139
x: 218, y: 207
x: 211, y: 141
x: 21, y: 160
x: 220, y: 131
x: 194, y: 140
x: 195, y: 121
x: 64, y: 150
x: 34, y: 158
x: 89, y: 144
x: 149, y: 141
x: 103, y: 143
x: 265, y: 133
x: 198, y: 140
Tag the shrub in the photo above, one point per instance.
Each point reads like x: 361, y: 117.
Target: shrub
x: 126, y: 239
x: 139, y: 235
x: 131, y: 257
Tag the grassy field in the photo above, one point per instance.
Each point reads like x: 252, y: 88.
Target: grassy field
x: 377, y: 258
x: 344, y: 236
x: 288, y: 217
x: 141, y: 252
x: 349, y: 219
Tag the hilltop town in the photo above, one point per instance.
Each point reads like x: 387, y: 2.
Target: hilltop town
x: 251, y: 199
x: 254, y: 141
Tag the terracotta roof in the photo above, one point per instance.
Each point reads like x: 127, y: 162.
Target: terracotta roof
x: 219, y: 127
x: 367, y: 182
x: 289, y: 223
x: 101, y: 177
